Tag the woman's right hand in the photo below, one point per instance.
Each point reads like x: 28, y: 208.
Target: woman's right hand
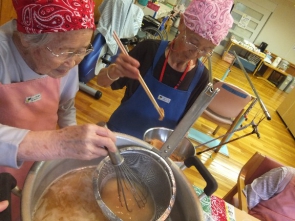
x: 126, y: 66
x: 84, y: 142
x: 3, y: 205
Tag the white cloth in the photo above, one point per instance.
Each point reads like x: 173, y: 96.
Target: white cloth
x: 121, y: 16
x: 14, y: 69
x: 268, y: 185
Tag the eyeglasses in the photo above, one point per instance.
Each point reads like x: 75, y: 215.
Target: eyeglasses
x: 67, y: 54
x: 196, y: 48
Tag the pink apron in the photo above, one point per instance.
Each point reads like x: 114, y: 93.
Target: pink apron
x: 31, y: 105
x: 278, y: 208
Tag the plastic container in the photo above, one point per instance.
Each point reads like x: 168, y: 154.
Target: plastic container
x: 283, y: 65
x: 286, y: 82
x: 176, y: 23
x: 143, y: 2
x: 228, y: 57
x: 172, y: 2
x: 153, y: 6
x: 263, y: 46
x: 276, y: 61
x: 290, y: 86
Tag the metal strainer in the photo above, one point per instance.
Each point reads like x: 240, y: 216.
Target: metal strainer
x: 154, y: 172
x: 152, y: 166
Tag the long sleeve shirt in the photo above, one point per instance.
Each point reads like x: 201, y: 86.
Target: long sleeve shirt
x: 14, y: 69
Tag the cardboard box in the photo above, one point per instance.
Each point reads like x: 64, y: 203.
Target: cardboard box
x: 228, y: 57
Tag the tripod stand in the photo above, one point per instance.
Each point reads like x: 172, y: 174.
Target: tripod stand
x: 254, y: 131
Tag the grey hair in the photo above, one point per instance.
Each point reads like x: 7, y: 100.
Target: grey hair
x: 34, y: 39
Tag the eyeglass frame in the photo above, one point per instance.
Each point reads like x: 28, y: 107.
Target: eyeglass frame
x: 201, y: 52
x: 72, y: 53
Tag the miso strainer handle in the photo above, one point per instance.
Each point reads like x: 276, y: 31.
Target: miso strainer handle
x: 212, y: 185
x: 188, y: 120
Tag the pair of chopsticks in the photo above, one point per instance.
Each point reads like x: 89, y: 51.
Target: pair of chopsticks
x: 143, y: 84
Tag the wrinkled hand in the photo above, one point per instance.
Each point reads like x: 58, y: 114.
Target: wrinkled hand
x: 83, y: 142
x: 3, y: 205
x: 86, y: 141
x: 126, y: 66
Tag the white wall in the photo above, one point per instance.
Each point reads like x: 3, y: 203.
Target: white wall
x: 279, y: 31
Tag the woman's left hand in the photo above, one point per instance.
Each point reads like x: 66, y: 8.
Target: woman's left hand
x: 3, y: 205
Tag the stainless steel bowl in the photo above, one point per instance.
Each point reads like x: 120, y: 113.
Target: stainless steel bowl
x: 184, y: 150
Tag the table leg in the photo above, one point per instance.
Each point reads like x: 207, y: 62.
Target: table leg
x: 267, y: 81
x: 229, y: 47
x: 258, y: 66
x: 266, y: 76
x: 267, y: 73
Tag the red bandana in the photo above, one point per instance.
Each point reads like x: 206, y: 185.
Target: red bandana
x: 42, y: 16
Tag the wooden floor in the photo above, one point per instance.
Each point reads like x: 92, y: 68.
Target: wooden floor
x: 275, y: 141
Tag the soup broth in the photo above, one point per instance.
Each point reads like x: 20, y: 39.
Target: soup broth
x: 156, y: 143
x: 110, y: 197
x: 70, y: 198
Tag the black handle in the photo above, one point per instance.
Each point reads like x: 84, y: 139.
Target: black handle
x: 212, y: 185
x: 7, y: 183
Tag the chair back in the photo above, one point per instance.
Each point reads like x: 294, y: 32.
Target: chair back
x: 261, y: 166
x: 256, y: 166
x: 229, y: 101
x: 88, y: 64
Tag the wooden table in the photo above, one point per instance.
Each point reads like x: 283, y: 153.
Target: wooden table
x: 259, y: 54
x: 243, y: 216
x: 269, y: 70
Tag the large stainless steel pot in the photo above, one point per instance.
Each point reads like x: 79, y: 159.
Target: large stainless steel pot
x: 42, y: 174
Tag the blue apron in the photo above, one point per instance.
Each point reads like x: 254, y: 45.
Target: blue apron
x: 138, y: 114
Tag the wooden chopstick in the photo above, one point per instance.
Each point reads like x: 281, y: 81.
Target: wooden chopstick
x: 145, y: 87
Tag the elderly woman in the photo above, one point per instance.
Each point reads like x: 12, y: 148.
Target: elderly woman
x: 171, y: 70
x: 39, y: 54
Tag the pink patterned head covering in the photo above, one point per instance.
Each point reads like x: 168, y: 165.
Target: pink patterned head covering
x: 211, y: 19
x: 43, y: 16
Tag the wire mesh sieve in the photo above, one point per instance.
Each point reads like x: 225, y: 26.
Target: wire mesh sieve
x: 151, y: 168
